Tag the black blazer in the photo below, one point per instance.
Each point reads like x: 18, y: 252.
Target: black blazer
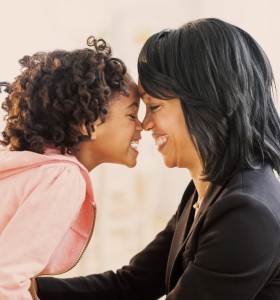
x: 230, y: 251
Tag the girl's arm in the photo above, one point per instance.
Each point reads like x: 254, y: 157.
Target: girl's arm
x: 51, y: 201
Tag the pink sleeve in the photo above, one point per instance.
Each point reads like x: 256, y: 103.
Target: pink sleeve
x: 50, y: 205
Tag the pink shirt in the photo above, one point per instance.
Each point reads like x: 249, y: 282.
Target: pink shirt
x: 47, y: 216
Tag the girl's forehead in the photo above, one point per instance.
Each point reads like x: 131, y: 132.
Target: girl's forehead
x: 124, y: 102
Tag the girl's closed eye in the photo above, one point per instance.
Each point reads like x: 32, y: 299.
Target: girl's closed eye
x: 132, y: 116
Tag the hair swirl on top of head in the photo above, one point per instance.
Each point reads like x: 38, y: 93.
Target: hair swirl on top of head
x: 99, y: 44
x: 57, y: 92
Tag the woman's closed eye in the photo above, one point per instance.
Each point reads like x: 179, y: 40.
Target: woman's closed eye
x: 154, y: 108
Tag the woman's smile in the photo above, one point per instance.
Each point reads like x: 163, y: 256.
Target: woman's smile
x: 160, y: 140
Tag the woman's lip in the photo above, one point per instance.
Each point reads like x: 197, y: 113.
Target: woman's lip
x: 157, y: 135
x: 160, y: 141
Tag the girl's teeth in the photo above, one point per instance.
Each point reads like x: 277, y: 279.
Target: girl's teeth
x: 134, y: 145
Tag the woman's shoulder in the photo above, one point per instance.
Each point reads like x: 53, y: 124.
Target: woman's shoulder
x: 250, y: 193
x: 259, y: 186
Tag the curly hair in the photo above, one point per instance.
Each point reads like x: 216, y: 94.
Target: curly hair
x: 56, y: 93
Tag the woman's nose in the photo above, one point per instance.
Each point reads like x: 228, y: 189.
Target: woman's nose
x: 147, y: 122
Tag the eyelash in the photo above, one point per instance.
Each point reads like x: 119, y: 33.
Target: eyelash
x: 154, y: 107
x: 132, y: 117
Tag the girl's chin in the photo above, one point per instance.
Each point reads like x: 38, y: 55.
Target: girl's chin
x: 130, y: 163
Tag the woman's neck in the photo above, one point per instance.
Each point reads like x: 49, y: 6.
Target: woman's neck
x: 201, y: 187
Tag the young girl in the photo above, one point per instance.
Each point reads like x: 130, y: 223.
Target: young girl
x: 67, y: 112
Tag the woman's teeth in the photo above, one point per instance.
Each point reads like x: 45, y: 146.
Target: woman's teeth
x: 161, y: 140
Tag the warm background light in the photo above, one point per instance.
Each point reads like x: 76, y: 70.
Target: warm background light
x: 133, y: 204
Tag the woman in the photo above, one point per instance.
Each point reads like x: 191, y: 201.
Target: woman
x: 67, y: 112
x: 207, y: 87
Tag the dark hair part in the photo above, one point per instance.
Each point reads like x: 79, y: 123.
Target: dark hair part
x: 225, y: 84
x: 56, y: 93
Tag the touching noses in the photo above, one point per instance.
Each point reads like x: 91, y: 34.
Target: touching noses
x: 139, y: 126
x: 147, y: 123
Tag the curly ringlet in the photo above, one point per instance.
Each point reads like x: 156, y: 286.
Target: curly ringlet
x: 58, y: 91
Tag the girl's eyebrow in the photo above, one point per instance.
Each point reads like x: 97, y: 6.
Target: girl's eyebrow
x: 136, y: 104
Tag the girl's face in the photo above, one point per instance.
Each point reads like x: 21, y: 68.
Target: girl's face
x: 166, y: 120
x: 115, y: 140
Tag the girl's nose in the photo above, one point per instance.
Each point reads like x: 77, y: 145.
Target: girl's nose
x: 139, y: 126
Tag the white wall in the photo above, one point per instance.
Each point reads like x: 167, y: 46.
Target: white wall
x: 133, y: 204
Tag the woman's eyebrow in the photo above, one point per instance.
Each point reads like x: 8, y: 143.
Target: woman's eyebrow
x: 142, y: 95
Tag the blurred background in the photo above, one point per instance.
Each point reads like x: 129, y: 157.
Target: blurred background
x: 133, y: 204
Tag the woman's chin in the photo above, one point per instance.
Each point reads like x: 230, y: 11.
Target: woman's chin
x: 169, y: 163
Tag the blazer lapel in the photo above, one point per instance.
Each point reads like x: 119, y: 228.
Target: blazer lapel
x: 210, y: 198
x: 184, y: 223
x: 186, y: 226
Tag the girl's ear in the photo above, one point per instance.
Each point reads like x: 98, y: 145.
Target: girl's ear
x: 83, y: 130
x: 94, y: 131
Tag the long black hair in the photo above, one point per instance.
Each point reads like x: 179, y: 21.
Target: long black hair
x: 226, y: 87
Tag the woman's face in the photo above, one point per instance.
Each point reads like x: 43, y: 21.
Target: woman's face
x: 115, y: 140
x: 166, y: 121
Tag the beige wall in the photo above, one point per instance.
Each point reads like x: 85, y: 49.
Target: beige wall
x: 133, y: 204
